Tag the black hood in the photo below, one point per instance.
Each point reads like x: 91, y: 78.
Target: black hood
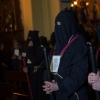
x: 66, y: 25
x: 33, y: 36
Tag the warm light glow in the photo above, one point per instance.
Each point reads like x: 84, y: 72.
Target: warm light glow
x: 72, y: 5
x: 75, y: 2
x: 87, y: 3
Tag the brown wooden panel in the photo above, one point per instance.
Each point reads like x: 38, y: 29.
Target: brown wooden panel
x: 15, y: 76
x: 6, y: 90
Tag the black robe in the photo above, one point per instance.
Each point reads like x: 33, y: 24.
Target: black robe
x: 36, y: 56
x: 74, y: 73
x: 74, y: 62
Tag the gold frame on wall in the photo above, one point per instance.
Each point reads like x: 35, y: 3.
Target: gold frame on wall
x: 10, y: 15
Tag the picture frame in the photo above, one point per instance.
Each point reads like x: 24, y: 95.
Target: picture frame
x: 8, y: 11
x: 10, y: 15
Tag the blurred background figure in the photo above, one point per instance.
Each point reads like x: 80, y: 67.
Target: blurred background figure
x: 3, y: 61
x: 95, y: 10
x: 16, y: 55
x: 36, y: 65
x: 83, y: 11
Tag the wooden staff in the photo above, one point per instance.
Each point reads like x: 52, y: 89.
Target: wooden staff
x: 28, y: 81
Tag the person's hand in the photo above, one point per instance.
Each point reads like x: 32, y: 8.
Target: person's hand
x: 30, y: 43
x: 5, y: 65
x: 96, y: 85
x: 14, y: 57
x: 92, y: 78
x: 25, y: 69
x: 19, y: 57
x: 50, y: 86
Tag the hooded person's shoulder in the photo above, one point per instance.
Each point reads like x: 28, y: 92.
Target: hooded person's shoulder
x: 81, y: 44
x: 81, y: 39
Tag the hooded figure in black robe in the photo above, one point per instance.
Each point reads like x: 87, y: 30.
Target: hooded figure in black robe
x: 35, y: 61
x: 73, y: 67
x: 98, y: 47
